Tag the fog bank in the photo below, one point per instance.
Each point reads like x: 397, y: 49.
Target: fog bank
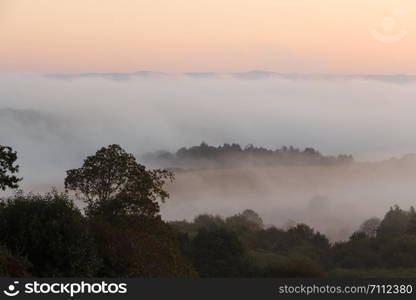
x: 54, y: 121
x: 333, y: 199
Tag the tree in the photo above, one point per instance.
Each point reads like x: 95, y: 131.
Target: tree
x: 253, y: 217
x: 245, y: 221
x: 112, y: 180
x: 307, y: 243
x: 123, y: 215
x: 8, y: 167
x: 394, y: 222
x: 208, y: 221
x: 50, y: 232
x: 370, y: 227
x: 219, y: 253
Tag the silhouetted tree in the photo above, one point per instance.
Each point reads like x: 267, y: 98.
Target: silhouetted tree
x: 113, y: 175
x: 123, y: 214
x: 8, y: 167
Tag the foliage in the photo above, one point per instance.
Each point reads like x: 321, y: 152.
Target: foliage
x: 247, y: 220
x: 219, y: 253
x: 266, y: 252
x: 113, y: 175
x: 51, y: 232
x: 411, y: 225
x: 123, y: 214
x: 233, y: 155
x: 123, y: 235
x: 393, y: 245
x: 8, y: 167
x: 139, y: 247
x: 370, y: 227
x: 394, y: 222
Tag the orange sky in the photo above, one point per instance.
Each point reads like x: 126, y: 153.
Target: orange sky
x: 335, y: 36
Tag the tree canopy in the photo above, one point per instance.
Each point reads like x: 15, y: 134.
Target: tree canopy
x: 111, y: 181
x: 51, y: 232
x: 8, y: 167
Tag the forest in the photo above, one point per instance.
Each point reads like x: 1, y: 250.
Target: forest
x: 234, y: 155
x: 119, y: 232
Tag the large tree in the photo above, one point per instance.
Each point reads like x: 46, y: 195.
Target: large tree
x: 8, y: 167
x: 111, y: 181
x: 123, y: 214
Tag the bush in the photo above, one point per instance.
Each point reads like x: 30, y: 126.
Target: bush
x: 51, y: 232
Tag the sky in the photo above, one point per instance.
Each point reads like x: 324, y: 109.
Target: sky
x: 321, y: 36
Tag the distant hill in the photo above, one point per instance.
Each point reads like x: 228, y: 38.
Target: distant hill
x: 233, y: 155
x: 249, y: 75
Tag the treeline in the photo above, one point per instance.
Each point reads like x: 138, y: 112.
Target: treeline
x: 233, y: 155
x: 120, y: 233
x: 241, y: 246
x: 47, y: 236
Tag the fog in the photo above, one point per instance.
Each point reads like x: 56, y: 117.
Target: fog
x: 333, y: 199
x: 54, y: 121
